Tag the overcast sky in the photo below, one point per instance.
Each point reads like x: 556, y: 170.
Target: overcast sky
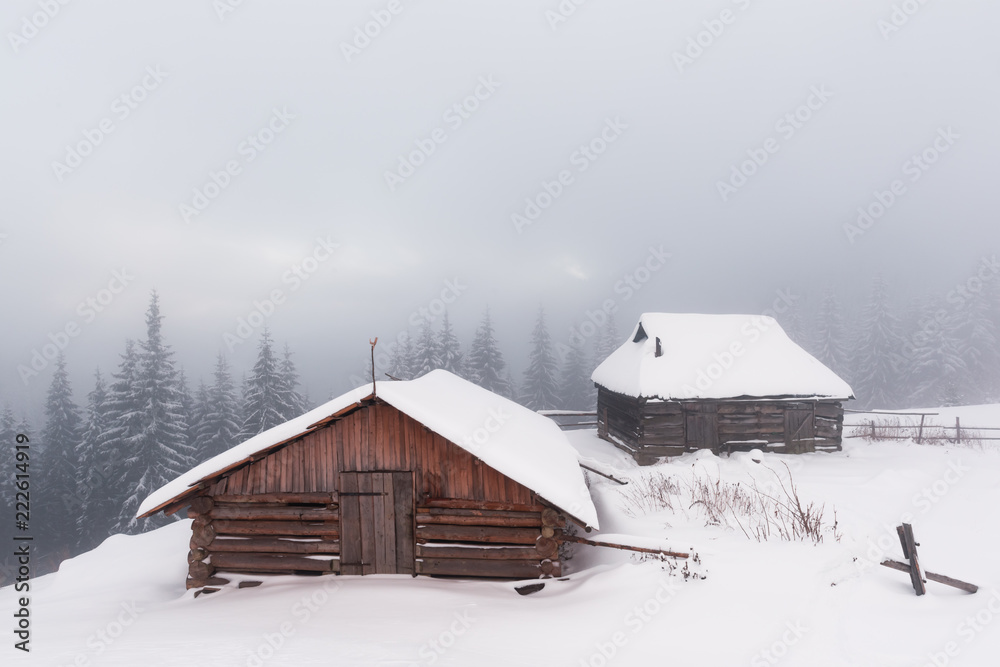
x: 116, y: 114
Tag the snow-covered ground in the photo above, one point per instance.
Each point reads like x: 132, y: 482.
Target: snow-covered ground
x: 761, y: 603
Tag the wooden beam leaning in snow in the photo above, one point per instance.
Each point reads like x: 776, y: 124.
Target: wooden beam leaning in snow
x: 624, y: 547
x: 913, y: 568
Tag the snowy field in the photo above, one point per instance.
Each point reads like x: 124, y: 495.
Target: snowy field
x: 761, y: 602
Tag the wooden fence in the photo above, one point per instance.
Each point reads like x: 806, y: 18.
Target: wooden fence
x: 925, y: 430
x: 571, y: 420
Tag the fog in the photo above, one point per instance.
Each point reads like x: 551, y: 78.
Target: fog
x: 218, y: 152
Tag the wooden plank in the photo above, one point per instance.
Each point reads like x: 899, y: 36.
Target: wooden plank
x: 350, y: 524
x: 275, y: 528
x: 385, y: 530
x: 480, y: 552
x: 455, y: 503
x: 402, y: 483
x: 320, y: 498
x: 269, y: 562
x: 931, y: 576
x: 491, y: 535
x: 498, y: 569
x: 281, y: 513
x: 274, y: 545
x: 368, y: 540
x: 453, y: 520
x: 461, y: 511
x: 909, y: 545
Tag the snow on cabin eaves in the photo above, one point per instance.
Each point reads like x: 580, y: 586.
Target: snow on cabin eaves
x: 715, y: 357
x: 523, y: 445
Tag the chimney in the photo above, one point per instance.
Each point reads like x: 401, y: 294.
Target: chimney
x: 659, y: 349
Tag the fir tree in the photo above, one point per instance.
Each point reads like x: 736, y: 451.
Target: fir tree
x: 449, y: 349
x: 427, y: 355
x: 877, y: 352
x: 219, y: 425
x: 401, y: 359
x: 289, y: 385
x: 607, y: 340
x: 976, y: 331
x: 124, y: 417
x: 936, y: 369
x: 57, y: 506
x: 576, y: 385
x: 8, y: 436
x: 540, y: 388
x: 158, y: 452
x: 831, y: 343
x: 486, y: 364
x: 266, y: 397
x: 94, y: 491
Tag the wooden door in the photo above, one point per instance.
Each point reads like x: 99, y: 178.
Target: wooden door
x: 799, y: 430
x: 701, y: 428
x: 376, y: 523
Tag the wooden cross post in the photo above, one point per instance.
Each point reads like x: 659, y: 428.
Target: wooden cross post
x: 917, y: 574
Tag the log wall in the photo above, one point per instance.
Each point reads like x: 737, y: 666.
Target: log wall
x: 281, y: 514
x: 651, y: 429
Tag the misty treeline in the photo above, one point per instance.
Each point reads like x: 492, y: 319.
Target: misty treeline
x: 143, y: 425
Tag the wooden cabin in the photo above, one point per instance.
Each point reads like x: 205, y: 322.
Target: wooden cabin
x: 434, y: 476
x: 683, y: 382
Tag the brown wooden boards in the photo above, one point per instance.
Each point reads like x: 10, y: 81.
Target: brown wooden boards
x: 377, y: 524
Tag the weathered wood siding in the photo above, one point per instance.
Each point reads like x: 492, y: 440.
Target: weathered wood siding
x: 284, y: 512
x: 651, y: 429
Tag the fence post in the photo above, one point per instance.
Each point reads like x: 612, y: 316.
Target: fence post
x: 872, y: 422
x: 958, y: 431
x: 920, y: 431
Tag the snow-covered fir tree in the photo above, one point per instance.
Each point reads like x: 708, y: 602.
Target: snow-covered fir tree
x: 290, y: 382
x: 449, y: 349
x: 935, y: 371
x: 401, y: 358
x: 607, y: 340
x: 8, y: 435
x: 577, y: 391
x: 219, y: 418
x: 267, y: 399
x: 976, y: 329
x: 427, y: 354
x: 94, y: 491
x: 877, y: 352
x: 831, y: 345
x: 124, y: 415
x: 540, y: 389
x: 486, y: 365
x: 57, y: 505
x: 187, y: 408
x: 158, y: 451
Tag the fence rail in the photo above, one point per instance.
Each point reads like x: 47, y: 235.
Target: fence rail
x: 922, y: 431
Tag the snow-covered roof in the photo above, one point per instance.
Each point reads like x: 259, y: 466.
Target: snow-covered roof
x: 515, y: 441
x: 715, y: 357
